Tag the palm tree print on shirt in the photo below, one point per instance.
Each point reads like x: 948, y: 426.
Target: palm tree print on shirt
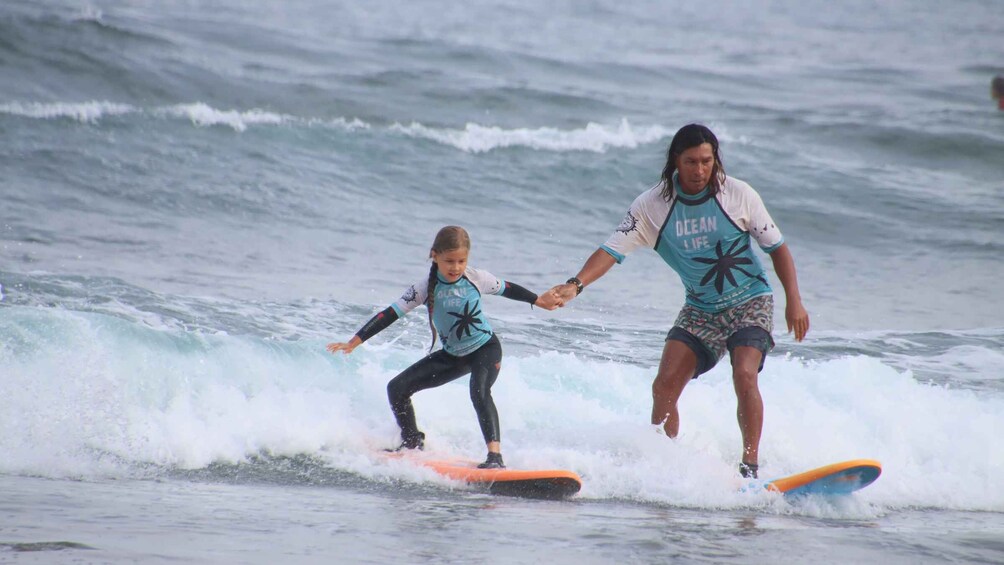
x: 723, y: 264
x: 467, y: 320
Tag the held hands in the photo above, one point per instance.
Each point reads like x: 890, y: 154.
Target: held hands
x: 556, y: 297
x: 550, y: 300
x: 565, y: 291
x: 345, y: 348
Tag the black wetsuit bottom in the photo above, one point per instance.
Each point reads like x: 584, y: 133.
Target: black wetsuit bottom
x: 440, y: 368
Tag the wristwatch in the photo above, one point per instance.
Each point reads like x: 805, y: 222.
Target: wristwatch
x: 577, y: 283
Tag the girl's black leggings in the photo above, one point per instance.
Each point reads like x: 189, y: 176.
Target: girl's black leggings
x: 440, y: 368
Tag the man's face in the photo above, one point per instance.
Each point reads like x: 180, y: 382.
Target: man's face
x: 695, y: 166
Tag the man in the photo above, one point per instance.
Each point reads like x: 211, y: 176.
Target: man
x: 700, y: 222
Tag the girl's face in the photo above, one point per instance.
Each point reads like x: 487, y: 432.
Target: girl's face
x: 695, y: 166
x: 451, y: 264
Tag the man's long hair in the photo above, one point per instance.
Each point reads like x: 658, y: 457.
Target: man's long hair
x: 690, y: 136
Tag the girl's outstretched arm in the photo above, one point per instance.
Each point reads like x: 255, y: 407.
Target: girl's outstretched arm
x: 548, y: 301
x: 376, y: 324
x: 345, y: 348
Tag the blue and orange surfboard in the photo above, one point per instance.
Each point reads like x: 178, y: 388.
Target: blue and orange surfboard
x: 836, y: 479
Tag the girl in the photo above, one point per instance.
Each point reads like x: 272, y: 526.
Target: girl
x: 452, y: 293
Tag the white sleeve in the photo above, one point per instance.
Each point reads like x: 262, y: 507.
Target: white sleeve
x: 412, y: 297
x: 747, y: 210
x: 486, y: 282
x: 640, y: 227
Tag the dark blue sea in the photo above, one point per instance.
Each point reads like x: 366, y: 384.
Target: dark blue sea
x: 197, y: 195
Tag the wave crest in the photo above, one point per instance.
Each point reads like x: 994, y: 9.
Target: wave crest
x: 85, y: 112
x: 476, y: 138
x: 473, y: 138
x: 204, y: 115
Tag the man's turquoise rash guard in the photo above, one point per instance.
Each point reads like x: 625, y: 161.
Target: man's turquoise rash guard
x: 705, y: 239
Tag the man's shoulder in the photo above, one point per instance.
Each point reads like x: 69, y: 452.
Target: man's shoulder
x: 655, y: 191
x: 652, y: 198
x: 738, y: 194
x: 736, y: 186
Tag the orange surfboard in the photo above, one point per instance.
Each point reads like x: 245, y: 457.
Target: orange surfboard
x: 836, y: 479
x: 550, y: 484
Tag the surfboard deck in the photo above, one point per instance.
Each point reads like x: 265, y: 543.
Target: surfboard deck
x: 549, y: 484
x: 836, y: 479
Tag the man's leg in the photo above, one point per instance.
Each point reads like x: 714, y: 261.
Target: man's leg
x: 677, y: 366
x: 745, y: 368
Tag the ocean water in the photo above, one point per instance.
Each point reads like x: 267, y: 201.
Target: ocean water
x: 197, y: 196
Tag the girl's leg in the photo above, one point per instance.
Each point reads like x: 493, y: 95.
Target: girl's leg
x: 431, y: 371
x: 485, y: 365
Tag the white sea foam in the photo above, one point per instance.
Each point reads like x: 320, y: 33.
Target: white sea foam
x: 88, y: 394
x: 476, y: 138
x: 473, y: 138
x: 89, y: 112
x: 342, y: 123
x: 204, y: 115
x: 89, y: 13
